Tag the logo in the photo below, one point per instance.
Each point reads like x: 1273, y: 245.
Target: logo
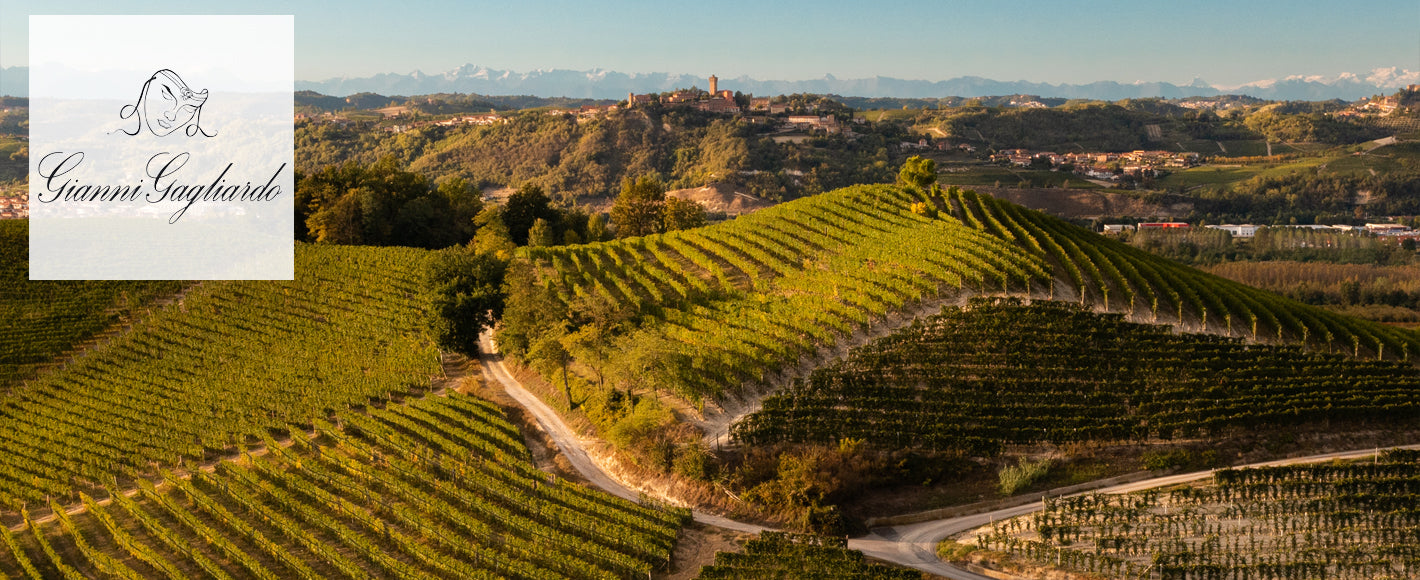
x: 171, y: 169
x: 166, y: 104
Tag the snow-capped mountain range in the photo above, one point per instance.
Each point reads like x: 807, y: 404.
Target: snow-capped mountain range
x: 606, y: 84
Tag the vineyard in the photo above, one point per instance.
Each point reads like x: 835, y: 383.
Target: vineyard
x: 1001, y: 371
x: 439, y: 488
x: 1347, y: 521
x: 729, y: 303
x: 1121, y: 278
x: 42, y: 319
x: 218, y: 369
x: 776, y: 555
x: 717, y: 307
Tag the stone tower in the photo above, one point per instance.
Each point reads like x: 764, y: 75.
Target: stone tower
x: 713, y: 82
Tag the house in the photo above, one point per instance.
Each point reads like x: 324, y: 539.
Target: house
x: 1116, y: 229
x: 1163, y: 225
x: 1387, y: 229
x: 811, y: 122
x: 679, y: 97
x: 17, y: 207
x: 719, y: 106
x: 633, y: 99
x: 1097, y: 173
x: 485, y: 119
x: 1237, y: 231
x: 759, y: 104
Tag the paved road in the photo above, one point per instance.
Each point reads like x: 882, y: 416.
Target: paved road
x: 912, y: 545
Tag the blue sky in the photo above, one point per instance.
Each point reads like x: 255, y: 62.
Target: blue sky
x: 1223, y: 42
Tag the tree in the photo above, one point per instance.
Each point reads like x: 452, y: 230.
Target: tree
x: 492, y: 237
x: 637, y: 211
x: 532, y: 311
x: 340, y: 221
x: 596, y: 321
x: 541, y: 234
x: 467, y: 290
x: 918, y: 172
x: 596, y: 228
x: 524, y: 207
x: 682, y: 214
x: 382, y: 204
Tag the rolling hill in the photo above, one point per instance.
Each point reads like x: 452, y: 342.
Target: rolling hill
x: 735, y: 302
x: 723, y: 315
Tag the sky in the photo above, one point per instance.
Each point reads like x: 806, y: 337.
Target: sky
x: 1064, y: 41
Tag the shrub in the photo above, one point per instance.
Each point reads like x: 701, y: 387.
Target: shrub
x: 1022, y: 475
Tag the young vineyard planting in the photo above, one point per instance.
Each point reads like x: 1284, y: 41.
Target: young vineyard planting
x: 438, y: 488
x: 217, y: 369
x: 40, y: 320
x: 1345, y: 521
x: 780, y: 555
x: 1001, y: 371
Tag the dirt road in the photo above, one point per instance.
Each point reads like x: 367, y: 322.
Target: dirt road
x: 911, y: 545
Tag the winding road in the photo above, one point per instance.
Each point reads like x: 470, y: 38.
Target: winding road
x: 912, y: 545
x: 571, y: 445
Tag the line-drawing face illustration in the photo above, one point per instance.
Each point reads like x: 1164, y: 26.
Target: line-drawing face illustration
x: 166, y: 104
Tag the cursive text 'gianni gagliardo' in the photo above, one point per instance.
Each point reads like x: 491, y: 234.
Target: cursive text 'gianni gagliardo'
x: 58, y: 170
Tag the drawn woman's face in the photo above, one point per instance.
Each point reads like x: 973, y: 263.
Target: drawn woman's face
x: 169, y: 104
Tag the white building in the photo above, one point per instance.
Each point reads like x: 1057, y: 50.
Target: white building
x: 1238, y: 231
x: 1387, y: 229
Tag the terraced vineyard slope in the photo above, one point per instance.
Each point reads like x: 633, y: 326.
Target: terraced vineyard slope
x: 41, y: 319
x: 780, y: 555
x: 1000, y: 371
x: 1347, y: 521
x: 218, y: 369
x: 439, y: 488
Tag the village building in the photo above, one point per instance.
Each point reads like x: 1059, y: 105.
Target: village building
x: 1237, y: 231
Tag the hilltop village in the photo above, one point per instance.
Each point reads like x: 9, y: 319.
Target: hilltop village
x: 775, y: 111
